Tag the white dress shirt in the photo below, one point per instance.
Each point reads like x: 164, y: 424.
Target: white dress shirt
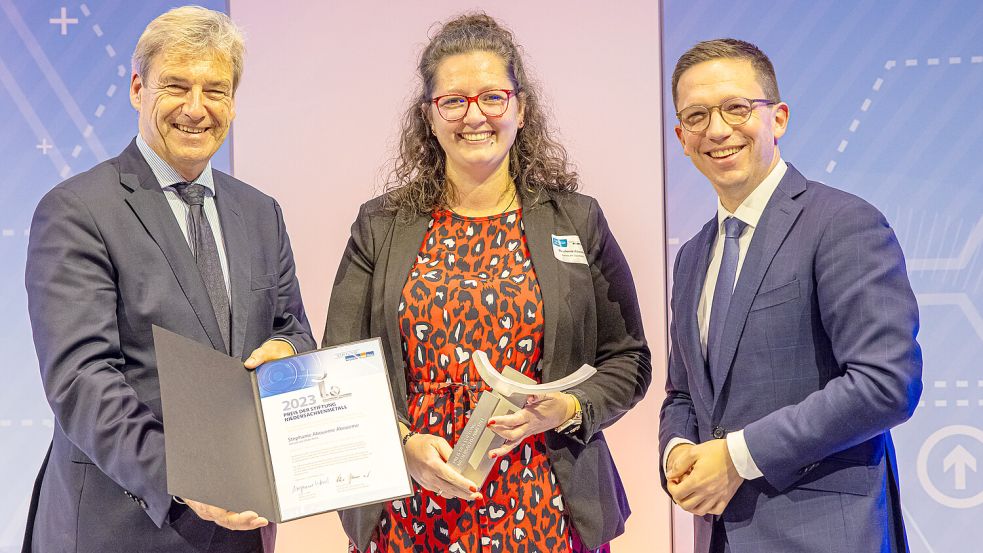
x: 750, y: 212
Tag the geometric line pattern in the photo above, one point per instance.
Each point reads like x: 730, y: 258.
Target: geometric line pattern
x: 32, y: 119
x: 910, y: 521
x: 54, y: 80
x: 24, y: 423
x: 876, y: 87
x: 959, y: 300
x: 961, y: 261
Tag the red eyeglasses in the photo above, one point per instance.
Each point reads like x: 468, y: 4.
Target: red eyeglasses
x: 492, y: 103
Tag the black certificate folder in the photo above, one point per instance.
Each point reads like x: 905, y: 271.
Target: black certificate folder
x: 303, y: 435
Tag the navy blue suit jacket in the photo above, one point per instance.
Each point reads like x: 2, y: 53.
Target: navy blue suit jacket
x: 106, y: 261
x: 822, y: 361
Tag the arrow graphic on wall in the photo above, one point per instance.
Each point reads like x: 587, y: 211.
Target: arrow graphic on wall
x: 959, y: 459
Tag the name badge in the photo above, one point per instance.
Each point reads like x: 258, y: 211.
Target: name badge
x: 568, y: 249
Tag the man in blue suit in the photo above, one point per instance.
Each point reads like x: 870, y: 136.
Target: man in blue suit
x: 153, y: 236
x: 793, y: 336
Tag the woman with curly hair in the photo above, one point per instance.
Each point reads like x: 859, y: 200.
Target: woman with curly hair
x: 481, y: 242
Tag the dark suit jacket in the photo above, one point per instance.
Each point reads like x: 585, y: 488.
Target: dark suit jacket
x: 106, y: 261
x: 591, y: 316
x: 820, y: 345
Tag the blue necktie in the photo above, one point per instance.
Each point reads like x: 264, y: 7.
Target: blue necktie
x: 722, y: 293
x: 202, y: 243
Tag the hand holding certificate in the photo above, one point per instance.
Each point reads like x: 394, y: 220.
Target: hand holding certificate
x: 299, y: 436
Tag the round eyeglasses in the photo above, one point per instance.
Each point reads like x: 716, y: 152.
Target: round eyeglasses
x: 492, y: 103
x: 734, y: 112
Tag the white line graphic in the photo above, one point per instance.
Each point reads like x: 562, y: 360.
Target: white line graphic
x: 27, y: 111
x: 973, y: 242
x: 51, y: 75
x: 959, y: 300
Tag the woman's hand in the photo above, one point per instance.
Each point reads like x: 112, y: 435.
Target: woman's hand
x: 541, y: 413
x: 426, y: 459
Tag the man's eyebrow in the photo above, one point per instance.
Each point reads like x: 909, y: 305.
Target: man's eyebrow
x: 171, y: 79
x: 220, y: 83
x: 175, y: 79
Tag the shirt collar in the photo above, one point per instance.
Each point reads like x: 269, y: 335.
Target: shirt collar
x: 753, y: 206
x: 166, y: 175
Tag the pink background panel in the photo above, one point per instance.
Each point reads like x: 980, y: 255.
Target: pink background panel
x: 318, y: 112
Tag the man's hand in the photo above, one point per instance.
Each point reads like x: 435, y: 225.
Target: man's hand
x: 675, y: 469
x: 426, y: 459
x: 270, y: 350
x: 541, y: 413
x: 702, y: 478
x: 247, y: 520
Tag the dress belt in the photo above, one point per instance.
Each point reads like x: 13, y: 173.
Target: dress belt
x: 468, y: 392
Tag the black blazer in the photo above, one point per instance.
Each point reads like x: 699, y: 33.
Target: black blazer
x: 105, y: 262
x: 591, y: 316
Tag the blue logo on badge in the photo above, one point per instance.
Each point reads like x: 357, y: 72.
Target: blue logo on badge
x: 561, y: 242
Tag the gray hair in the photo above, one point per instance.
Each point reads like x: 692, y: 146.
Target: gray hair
x: 729, y: 48
x: 193, y: 31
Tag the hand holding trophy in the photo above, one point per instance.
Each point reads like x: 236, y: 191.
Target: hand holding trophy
x: 509, y: 392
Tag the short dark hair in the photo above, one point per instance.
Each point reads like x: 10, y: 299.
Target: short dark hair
x: 729, y: 48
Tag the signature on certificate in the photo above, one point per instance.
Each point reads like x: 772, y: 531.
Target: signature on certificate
x: 352, y: 477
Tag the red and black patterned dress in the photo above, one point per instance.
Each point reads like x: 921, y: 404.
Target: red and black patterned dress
x: 474, y: 287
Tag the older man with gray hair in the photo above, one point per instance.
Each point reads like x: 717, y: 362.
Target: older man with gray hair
x: 154, y: 236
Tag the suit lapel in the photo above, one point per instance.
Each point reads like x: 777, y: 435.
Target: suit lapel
x: 538, y: 224
x: 775, y: 223
x: 237, y: 253
x: 407, y: 237
x: 688, y: 321
x: 150, y: 206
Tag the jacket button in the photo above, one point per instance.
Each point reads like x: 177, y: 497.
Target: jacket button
x: 143, y: 504
x: 719, y: 432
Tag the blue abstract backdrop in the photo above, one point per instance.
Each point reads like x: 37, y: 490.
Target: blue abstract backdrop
x: 884, y: 98
x: 64, y: 106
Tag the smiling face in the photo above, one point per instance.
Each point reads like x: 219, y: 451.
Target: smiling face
x: 734, y: 159
x: 186, y: 106
x: 476, y: 145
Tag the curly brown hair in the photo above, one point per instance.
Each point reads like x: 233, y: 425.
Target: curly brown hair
x: 537, y: 161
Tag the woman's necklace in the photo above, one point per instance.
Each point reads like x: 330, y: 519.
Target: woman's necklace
x: 515, y: 192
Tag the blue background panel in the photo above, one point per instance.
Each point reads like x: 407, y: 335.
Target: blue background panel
x: 64, y: 104
x: 883, y: 102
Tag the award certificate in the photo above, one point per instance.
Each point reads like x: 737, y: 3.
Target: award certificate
x: 298, y: 436
x: 331, y: 429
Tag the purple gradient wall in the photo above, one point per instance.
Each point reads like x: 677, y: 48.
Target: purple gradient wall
x: 318, y: 111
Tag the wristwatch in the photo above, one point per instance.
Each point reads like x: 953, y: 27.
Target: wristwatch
x: 573, y: 424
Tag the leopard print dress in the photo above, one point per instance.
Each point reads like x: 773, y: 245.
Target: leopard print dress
x: 473, y: 287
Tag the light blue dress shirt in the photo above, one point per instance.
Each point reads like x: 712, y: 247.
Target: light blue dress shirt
x: 168, y: 177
